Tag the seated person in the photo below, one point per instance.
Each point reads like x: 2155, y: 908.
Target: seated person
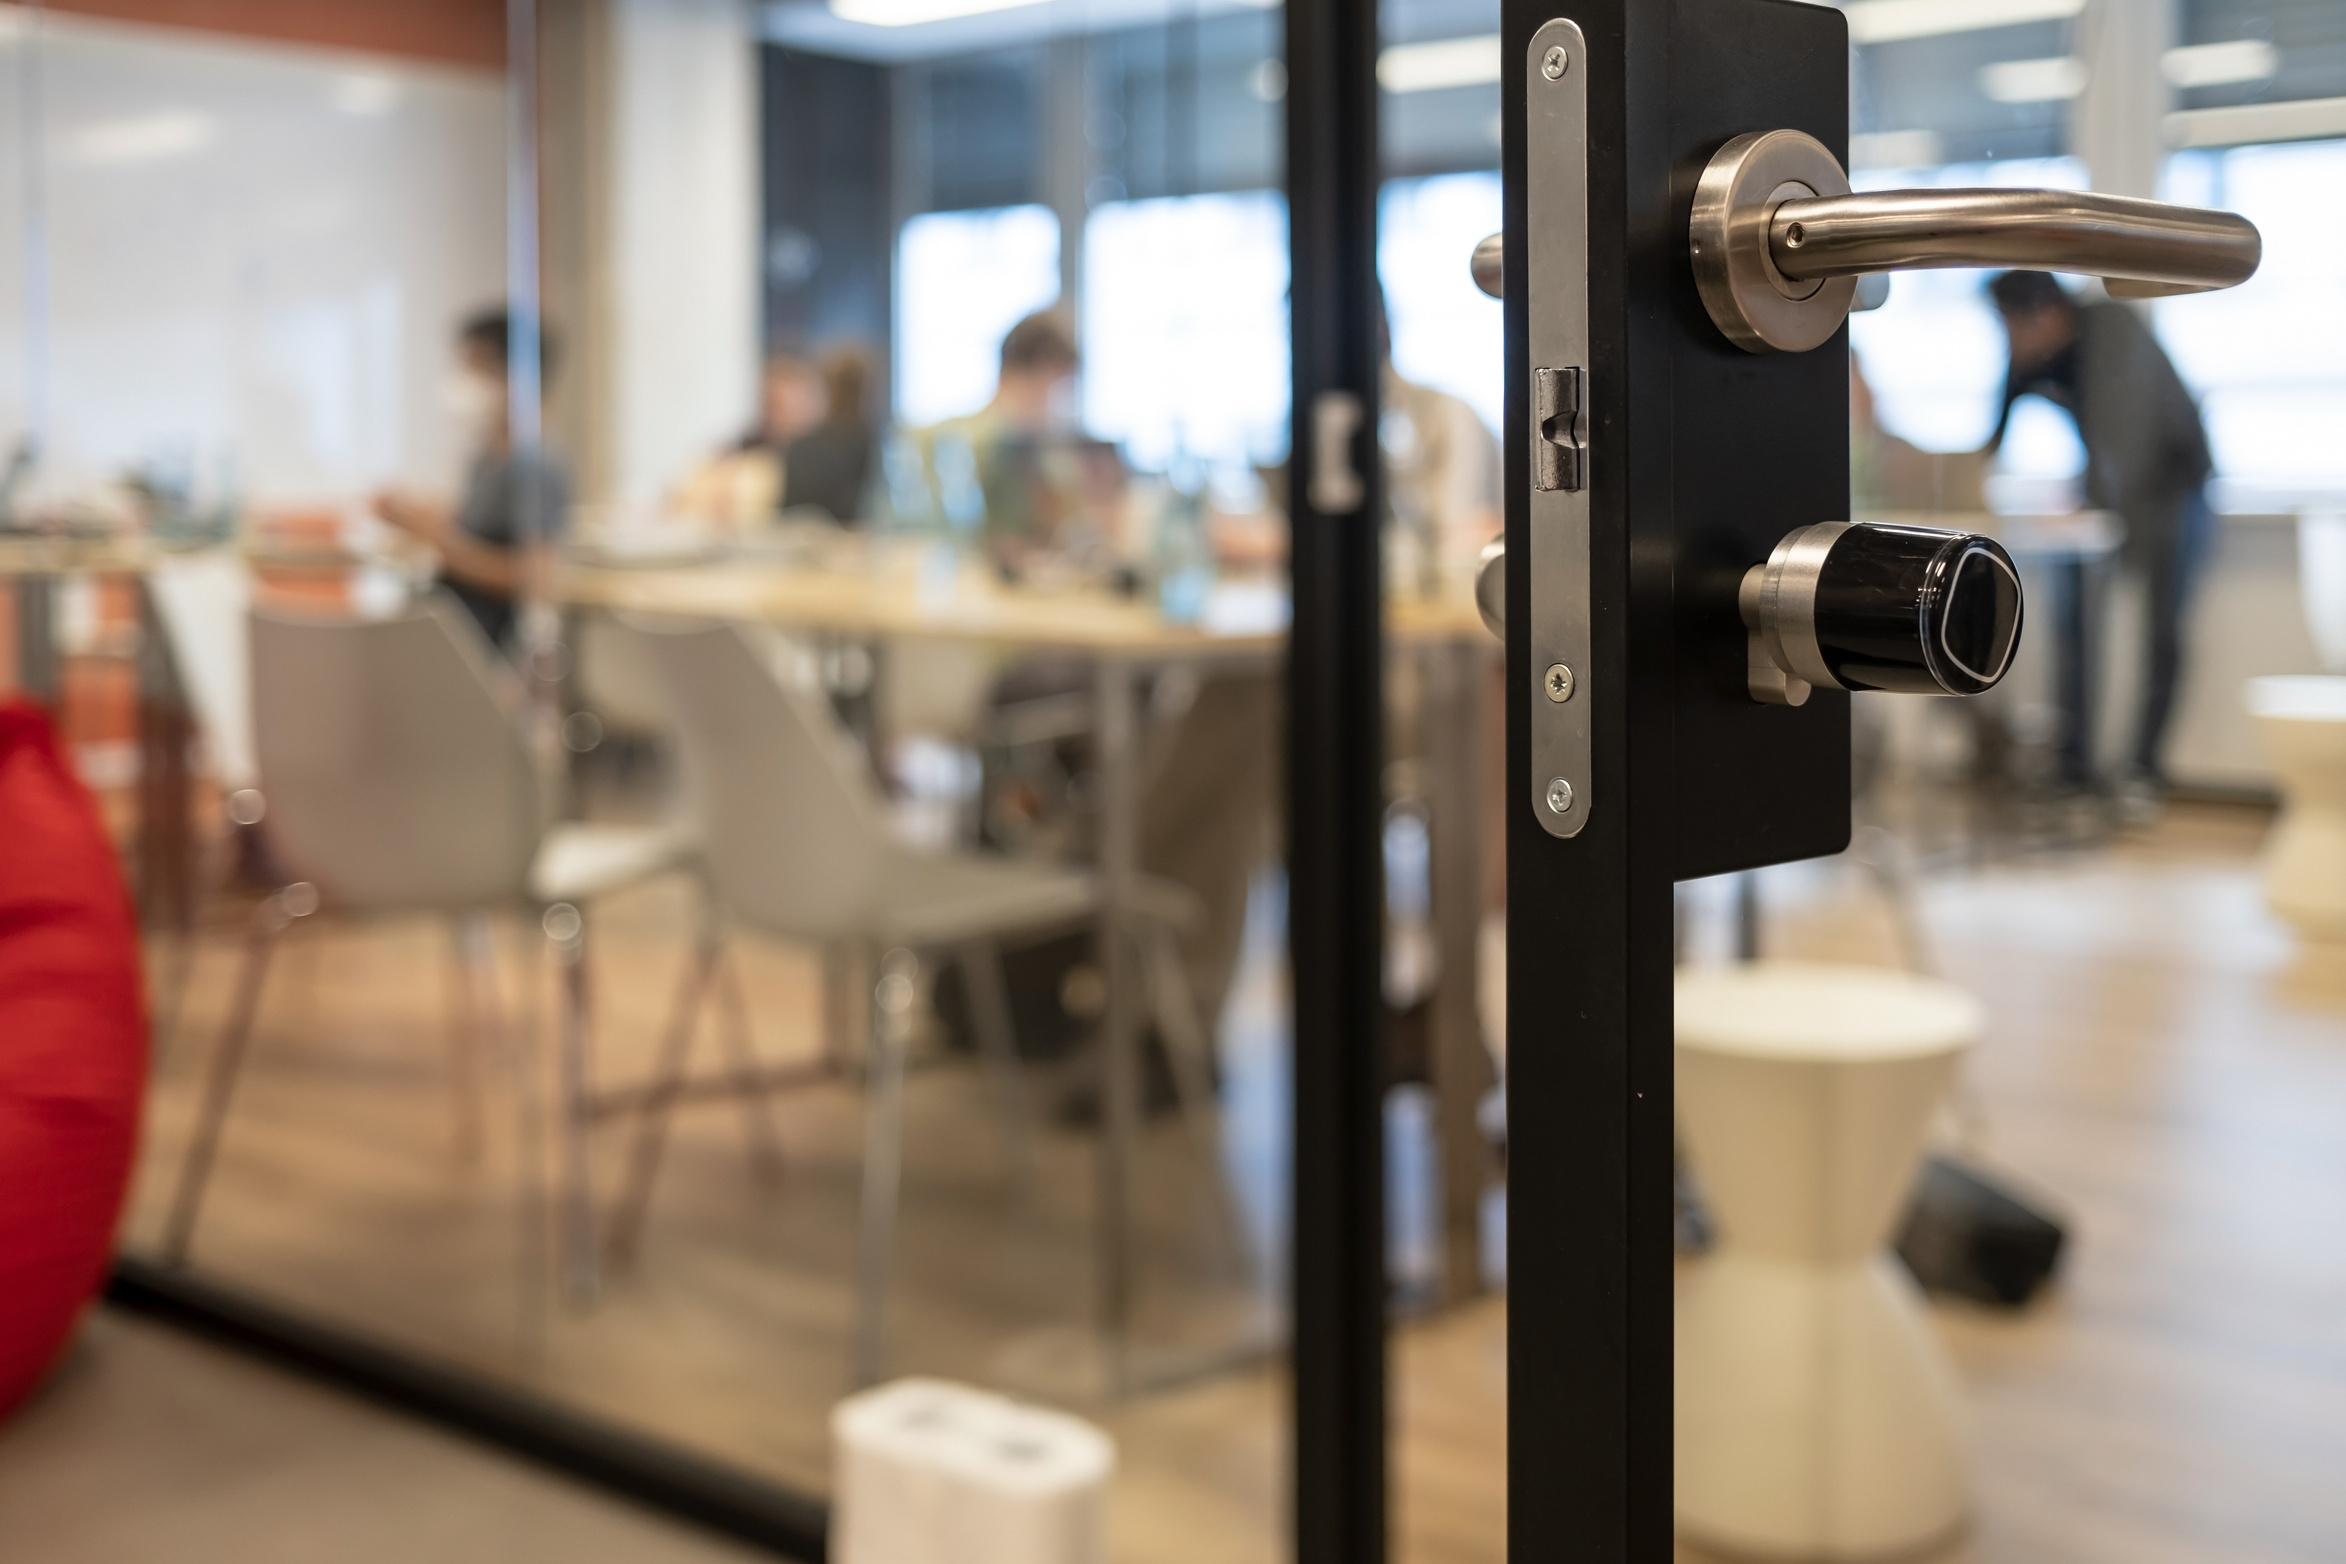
x: 496, y: 541
x: 741, y: 487
x: 1016, y: 469
x: 829, y: 466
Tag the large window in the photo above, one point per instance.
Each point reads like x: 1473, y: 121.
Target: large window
x: 2269, y: 359
x: 1934, y: 355
x: 1446, y: 333
x: 963, y: 279
x: 1185, y: 328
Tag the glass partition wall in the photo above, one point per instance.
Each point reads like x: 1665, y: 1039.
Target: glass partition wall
x: 1438, y: 72
x: 818, y: 916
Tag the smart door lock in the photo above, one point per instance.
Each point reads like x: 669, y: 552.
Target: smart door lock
x: 1858, y: 606
x: 1861, y: 606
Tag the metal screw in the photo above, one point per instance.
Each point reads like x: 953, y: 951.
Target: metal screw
x: 1560, y: 797
x: 1558, y: 683
x: 1553, y: 65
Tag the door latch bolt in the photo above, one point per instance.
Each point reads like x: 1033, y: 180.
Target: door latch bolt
x: 1559, y: 401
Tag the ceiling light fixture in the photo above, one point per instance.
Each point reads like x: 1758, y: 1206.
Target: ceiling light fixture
x: 1890, y: 21
x: 2033, y: 81
x: 1445, y: 62
x: 2220, y: 64
x: 912, y: 13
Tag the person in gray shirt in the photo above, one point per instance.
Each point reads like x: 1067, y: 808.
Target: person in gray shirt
x: 514, y: 502
x: 2146, y: 458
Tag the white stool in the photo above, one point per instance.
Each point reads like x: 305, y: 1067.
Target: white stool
x: 2303, y: 721
x: 930, y: 1472
x: 1817, y: 1412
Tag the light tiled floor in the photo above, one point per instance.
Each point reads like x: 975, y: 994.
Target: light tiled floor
x: 147, y: 1444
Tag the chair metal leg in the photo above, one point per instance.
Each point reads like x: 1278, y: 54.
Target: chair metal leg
x: 171, y: 998
x: 651, y: 1115
x: 565, y: 927
x: 464, y: 1047
x: 213, y: 871
x: 270, y: 920
x: 514, y: 1050
x: 838, y: 1003
x: 1189, y: 1051
x: 757, y: 1099
x: 989, y: 1008
x: 883, y: 1155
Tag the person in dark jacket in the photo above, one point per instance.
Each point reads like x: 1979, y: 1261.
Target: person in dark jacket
x: 2146, y: 458
x: 515, y: 502
x: 830, y: 466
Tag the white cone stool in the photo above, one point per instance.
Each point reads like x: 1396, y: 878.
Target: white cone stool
x: 1817, y: 1412
x: 2302, y: 719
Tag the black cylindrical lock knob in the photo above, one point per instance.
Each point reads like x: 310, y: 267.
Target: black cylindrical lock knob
x: 1863, y: 606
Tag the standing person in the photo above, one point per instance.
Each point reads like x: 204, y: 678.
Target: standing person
x: 830, y: 465
x: 2146, y: 458
x: 514, y: 504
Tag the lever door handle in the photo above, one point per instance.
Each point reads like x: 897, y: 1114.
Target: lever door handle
x: 2144, y: 248
x: 1777, y: 239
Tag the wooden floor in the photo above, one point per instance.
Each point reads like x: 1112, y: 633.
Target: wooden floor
x: 148, y: 1446
x: 2165, y: 1064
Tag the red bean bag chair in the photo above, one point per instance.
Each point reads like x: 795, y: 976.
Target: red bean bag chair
x: 73, y: 1048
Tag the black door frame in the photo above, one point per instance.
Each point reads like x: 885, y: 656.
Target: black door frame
x: 1699, y: 456
x: 1335, y: 787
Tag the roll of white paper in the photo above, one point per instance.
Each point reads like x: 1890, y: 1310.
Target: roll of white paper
x: 930, y: 1472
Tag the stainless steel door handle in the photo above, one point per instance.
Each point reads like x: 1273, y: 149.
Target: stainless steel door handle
x: 1777, y: 239
x: 1490, y: 256
x: 2142, y: 247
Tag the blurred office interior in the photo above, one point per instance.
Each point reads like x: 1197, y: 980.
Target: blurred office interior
x: 676, y: 612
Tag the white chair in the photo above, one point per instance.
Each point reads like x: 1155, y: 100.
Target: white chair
x: 616, y: 679
x: 798, y: 847
x: 199, y: 603
x: 399, y: 780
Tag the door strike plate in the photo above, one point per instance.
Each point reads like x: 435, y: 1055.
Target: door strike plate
x: 1561, y: 449
x: 1563, y: 784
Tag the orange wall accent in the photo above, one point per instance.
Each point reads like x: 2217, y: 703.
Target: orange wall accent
x: 448, y: 32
